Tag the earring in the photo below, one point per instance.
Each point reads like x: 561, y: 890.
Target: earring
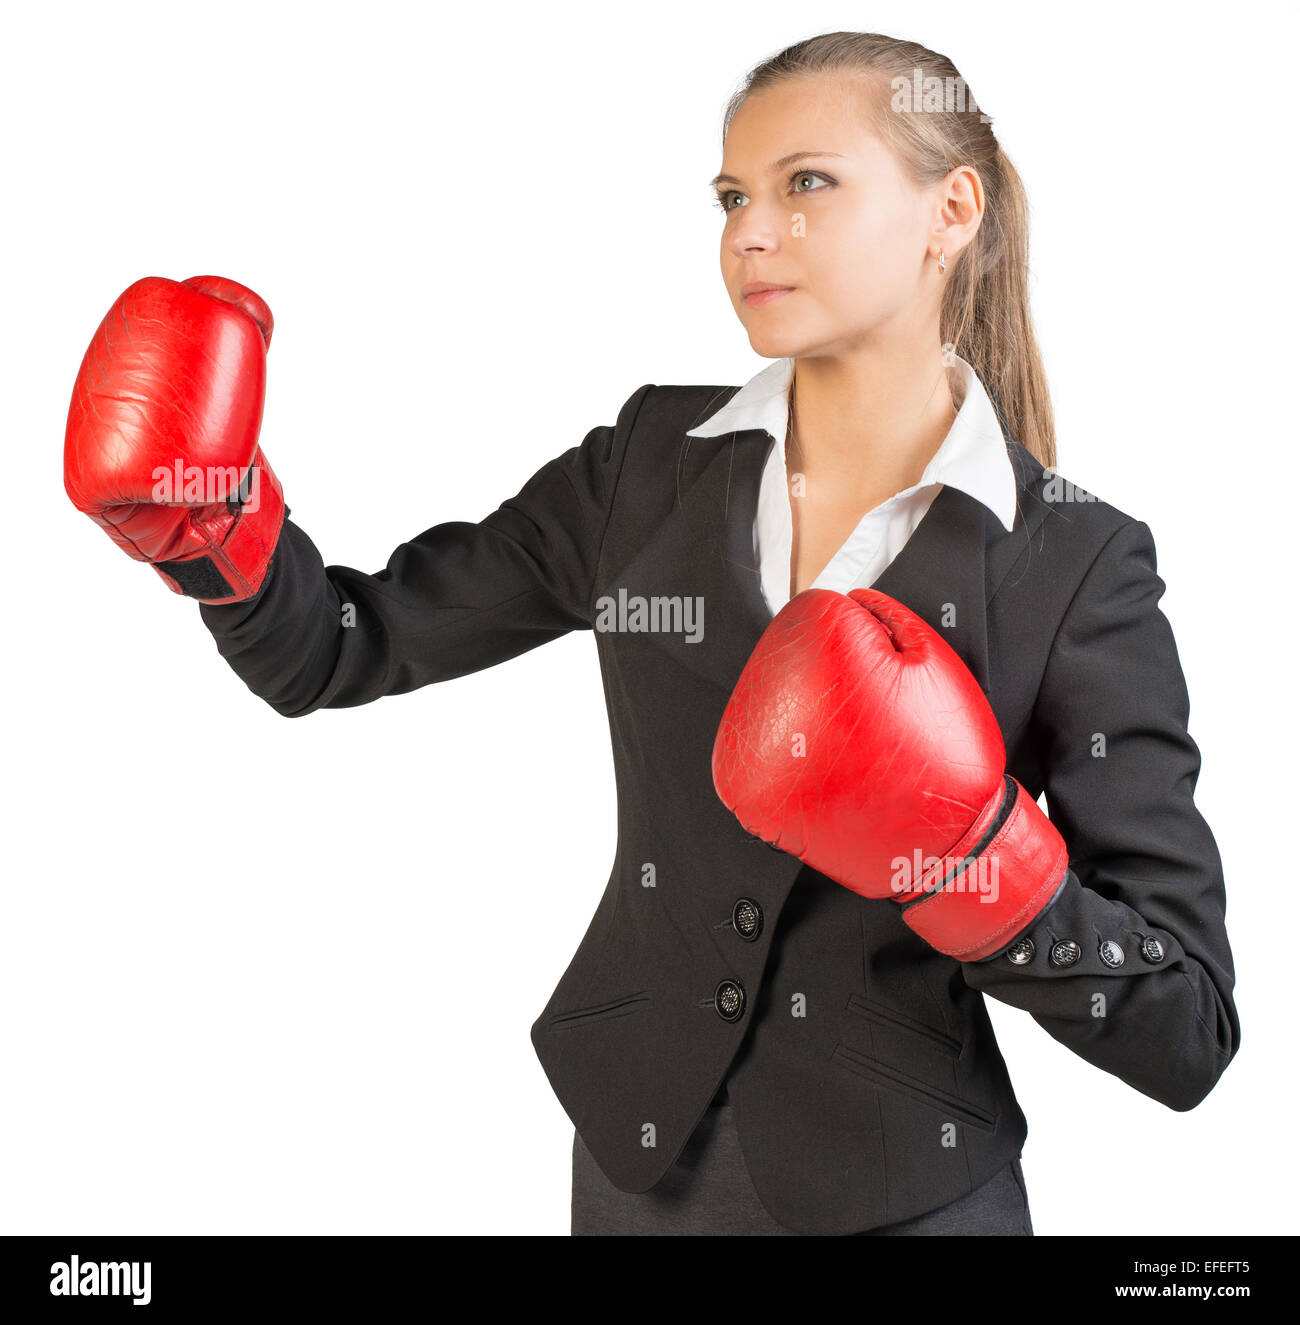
x: 943, y: 266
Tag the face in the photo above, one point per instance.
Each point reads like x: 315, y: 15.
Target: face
x: 814, y: 202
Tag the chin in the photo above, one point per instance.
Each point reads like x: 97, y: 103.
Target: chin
x: 776, y: 342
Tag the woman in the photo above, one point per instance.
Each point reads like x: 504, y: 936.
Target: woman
x: 744, y: 1041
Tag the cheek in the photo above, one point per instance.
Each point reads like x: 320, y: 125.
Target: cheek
x: 862, y: 260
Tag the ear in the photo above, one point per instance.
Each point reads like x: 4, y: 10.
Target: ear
x: 958, y: 210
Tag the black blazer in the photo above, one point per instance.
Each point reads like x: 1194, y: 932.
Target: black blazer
x: 865, y: 1077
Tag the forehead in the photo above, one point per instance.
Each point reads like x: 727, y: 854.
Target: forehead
x: 816, y: 113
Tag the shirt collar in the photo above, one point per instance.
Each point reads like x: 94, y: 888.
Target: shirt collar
x: 973, y: 456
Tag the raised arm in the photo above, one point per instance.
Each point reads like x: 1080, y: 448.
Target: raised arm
x: 162, y: 452
x: 455, y: 599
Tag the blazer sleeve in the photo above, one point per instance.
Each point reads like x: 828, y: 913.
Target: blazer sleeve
x: 458, y: 598
x: 1145, y: 881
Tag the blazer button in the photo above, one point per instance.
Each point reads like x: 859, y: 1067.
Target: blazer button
x: 1110, y: 952
x: 747, y: 919
x: 729, y: 1000
x: 1021, y: 953
x: 1152, y: 950
x: 1065, y: 953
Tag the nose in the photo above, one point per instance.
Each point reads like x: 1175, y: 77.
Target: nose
x: 751, y: 237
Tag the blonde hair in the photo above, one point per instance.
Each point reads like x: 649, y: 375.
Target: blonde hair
x: 984, y: 314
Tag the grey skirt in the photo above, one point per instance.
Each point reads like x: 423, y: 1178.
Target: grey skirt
x: 708, y: 1192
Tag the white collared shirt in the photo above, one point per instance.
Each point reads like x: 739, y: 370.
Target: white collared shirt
x: 973, y: 457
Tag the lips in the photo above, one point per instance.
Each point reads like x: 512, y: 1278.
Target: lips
x: 761, y: 287
x: 756, y: 293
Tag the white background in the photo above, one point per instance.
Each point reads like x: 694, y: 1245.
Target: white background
x: 271, y: 976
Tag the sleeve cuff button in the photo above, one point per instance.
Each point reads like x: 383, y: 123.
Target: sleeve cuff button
x: 1152, y: 950
x: 1065, y: 953
x: 1021, y: 953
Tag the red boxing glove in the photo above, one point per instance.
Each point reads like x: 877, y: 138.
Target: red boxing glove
x: 161, y: 448
x: 858, y: 741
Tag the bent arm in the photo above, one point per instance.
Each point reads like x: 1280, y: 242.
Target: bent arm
x: 1130, y: 967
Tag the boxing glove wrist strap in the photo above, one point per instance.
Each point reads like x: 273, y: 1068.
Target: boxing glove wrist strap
x: 234, y: 549
x: 1002, y: 875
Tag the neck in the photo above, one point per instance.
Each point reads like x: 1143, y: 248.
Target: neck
x: 870, y: 421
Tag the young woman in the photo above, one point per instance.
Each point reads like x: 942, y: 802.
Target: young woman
x: 781, y: 1038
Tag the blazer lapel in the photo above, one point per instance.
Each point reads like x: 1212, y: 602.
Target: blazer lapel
x: 939, y: 574
x: 704, y: 550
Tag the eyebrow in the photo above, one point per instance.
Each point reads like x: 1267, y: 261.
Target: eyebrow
x: 773, y: 168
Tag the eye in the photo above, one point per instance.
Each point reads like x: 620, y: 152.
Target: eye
x: 722, y: 202
x: 810, y: 174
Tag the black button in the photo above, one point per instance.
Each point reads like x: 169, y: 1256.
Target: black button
x: 729, y: 1000
x: 1152, y: 950
x: 1021, y: 953
x: 1065, y: 953
x: 1110, y: 952
x: 747, y: 919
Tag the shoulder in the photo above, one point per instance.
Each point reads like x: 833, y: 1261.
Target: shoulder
x: 653, y: 425
x: 1067, y: 543
x: 1063, y: 512
x: 678, y: 409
